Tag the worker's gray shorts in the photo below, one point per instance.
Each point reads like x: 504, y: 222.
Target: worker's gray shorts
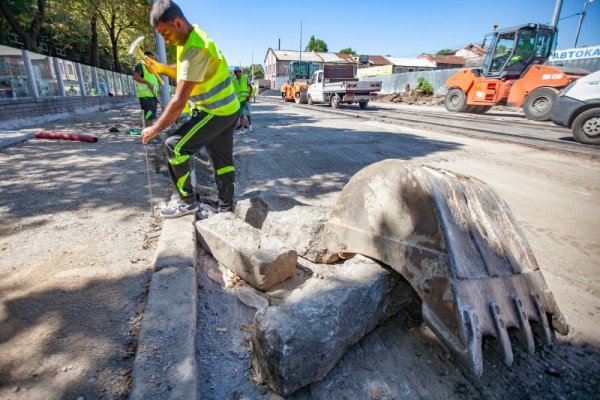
x: 244, y: 109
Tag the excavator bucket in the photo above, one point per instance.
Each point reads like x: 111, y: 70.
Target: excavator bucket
x: 458, y: 244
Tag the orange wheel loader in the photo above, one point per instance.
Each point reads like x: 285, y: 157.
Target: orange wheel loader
x: 513, y: 74
x: 297, y: 85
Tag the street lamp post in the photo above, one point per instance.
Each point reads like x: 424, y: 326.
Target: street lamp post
x: 581, y: 16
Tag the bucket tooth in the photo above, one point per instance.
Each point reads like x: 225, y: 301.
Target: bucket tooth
x: 524, y: 326
x: 460, y: 247
x: 501, y: 332
x: 542, y: 319
x: 474, y: 342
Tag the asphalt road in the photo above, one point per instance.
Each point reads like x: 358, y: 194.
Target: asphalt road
x: 310, y: 154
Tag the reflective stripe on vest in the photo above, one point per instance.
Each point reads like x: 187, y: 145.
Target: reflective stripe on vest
x: 216, y: 95
x: 241, y: 87
x: 141, y: 89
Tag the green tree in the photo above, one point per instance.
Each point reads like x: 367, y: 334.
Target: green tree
x: 124, y: 17
x: 424, y: 86
x: 316, y: 45
x: 443, y: 52
x: 25, y: 19
x: 348, y: 50
x: 259, y: 72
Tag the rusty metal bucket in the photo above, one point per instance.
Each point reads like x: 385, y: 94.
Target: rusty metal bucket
x: 458, y: 244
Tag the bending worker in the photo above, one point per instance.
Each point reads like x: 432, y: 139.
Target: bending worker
x: 202, y: 76
x: 243, y: 88
x: 146, y: 89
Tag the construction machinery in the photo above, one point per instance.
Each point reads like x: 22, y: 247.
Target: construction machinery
x: 295, y: 88
x: 513, y: 74
x: 458, y: 244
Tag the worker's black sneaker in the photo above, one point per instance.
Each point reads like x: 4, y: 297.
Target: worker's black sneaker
x: 179, y: 209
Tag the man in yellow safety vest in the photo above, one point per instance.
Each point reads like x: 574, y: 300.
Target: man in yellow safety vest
x: 243, y: 88
x: 146, y: 89
x: 203, y: 77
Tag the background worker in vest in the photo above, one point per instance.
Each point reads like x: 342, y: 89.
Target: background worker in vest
x: 202, y: 76
x: 242, y: 86
x: 146, y: 89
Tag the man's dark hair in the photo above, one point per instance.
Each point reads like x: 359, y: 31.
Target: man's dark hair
x: 149, y: 53
x: 164, y: 11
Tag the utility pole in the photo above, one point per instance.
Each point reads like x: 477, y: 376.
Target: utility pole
x: 581, y: 16
x: 556, y: 13
x: 300, y: 40
x: 161, y: 54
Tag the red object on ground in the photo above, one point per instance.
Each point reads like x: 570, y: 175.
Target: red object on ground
x: 66, y: 136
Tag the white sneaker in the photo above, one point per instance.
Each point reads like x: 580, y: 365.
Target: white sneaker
x: 249, y: 128
x: 241, y: 131
x: 179, y: 209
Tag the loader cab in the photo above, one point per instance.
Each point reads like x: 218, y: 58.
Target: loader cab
x: 300, y: 71
x: 513, y: 50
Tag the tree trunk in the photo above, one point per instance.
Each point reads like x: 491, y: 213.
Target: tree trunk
x: 95, y: 47
x: 115, y: 49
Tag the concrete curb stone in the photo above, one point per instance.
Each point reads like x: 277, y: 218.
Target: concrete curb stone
x: 165, y: 365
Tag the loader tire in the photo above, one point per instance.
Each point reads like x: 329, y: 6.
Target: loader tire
x: 301, y: 98
x: 538, y: 104
x: 586, y: 127
x: 456, y: 100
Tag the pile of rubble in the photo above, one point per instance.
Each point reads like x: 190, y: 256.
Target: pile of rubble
x: 412, y: 98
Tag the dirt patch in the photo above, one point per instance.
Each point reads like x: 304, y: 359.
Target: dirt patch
x: 76, y: 243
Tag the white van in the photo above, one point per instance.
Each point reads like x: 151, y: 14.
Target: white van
x: 578, y: 108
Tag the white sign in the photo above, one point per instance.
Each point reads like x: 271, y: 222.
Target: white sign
x: 576, y: 54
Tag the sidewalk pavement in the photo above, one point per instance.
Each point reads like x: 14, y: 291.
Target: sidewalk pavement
x: 9, y: 138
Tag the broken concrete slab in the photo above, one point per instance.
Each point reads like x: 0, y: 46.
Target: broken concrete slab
x: 165, y: 364
x: 300, y: 340
x: 298, y: 225
x: 258, y: 258
x: 177, y: 243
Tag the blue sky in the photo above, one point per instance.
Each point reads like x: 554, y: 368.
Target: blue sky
x: 245, y: 30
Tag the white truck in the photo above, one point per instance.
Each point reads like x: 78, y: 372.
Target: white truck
x: 335, y: 84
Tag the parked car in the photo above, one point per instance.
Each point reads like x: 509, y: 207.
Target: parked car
x: 578, y: 108
x: 336, y: 85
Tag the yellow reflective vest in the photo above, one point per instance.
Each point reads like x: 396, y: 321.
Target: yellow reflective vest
x: 141, y: 89
x: 241, y: 87
x: 215, y: 95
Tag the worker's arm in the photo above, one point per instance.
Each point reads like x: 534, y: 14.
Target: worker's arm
x: 172, y: 112
x: 163, y: 69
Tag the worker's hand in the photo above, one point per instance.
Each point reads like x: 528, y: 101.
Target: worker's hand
x: 148, y: 134
x: 154, y: 66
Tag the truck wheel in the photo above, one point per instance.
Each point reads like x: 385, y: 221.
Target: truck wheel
x: 310, y: 100
x: 586, y: 127
x: 300, y: 98
x: 335, y: 101
x: 456, y: 100
x: 538, y: 104
x: 363, y: 104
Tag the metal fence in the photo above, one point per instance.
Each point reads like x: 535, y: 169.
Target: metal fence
x: 27, y: 74
x: 397, y: 83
